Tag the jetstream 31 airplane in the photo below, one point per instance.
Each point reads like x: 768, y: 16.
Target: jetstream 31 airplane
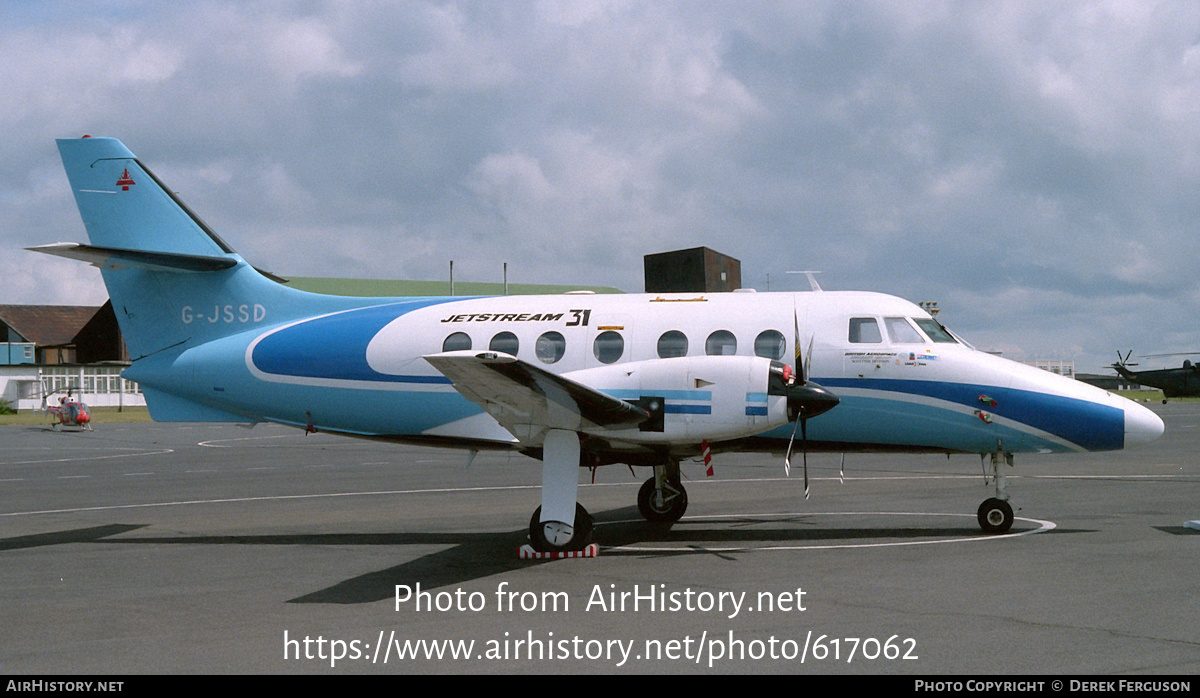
x: 575, y: 380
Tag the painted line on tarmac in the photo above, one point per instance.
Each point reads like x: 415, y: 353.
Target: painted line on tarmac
x: 266, y: 498
x: 221, y: 443
x: 74, y: 459
x: 1043, y: 527
x: 453, y: 490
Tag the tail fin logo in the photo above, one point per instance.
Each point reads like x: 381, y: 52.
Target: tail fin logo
x: 125, y: 181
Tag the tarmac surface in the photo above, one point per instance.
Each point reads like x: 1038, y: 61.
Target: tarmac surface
x: 186, y: 548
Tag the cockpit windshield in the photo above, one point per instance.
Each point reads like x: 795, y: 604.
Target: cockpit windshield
x: 935, y: 330
x: 900, y: 332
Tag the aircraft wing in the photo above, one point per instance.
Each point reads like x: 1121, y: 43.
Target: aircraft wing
x: 528, y: 400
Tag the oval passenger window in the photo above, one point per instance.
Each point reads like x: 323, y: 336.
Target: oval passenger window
x: 608, y: 347
x: 721, y: 343
x: 672, y: 344
x: 506, y: 342
x: 550, y: 347
x: 459, y: 341
x: 770, y: 344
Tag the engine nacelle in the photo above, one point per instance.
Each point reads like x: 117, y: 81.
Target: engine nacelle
x: 691, y: 399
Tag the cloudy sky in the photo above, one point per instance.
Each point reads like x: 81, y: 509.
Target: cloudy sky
x: 1032, y: 166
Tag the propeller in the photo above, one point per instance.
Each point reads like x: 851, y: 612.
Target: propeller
x: 805, y: 400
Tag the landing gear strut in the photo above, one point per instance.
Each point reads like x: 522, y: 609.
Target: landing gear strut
x: 566, y: 526
x: 662, y: 498
x: 995, y: 514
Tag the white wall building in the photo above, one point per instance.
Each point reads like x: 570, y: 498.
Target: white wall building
x: 23, y: 387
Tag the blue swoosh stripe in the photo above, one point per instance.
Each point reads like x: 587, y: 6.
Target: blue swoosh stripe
x: 334, y: 347
x: 1082, y: 422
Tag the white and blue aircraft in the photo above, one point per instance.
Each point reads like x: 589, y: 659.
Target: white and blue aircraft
x: 574, y: 379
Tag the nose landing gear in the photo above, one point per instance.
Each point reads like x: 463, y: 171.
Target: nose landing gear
x: 995, y: 514
x: 662, y: 498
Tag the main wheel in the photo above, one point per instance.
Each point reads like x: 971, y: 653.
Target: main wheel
x: 995, y: 516
x: 669, y: 508
x: 552, y: 536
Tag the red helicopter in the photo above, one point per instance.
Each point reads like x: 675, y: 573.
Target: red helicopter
x: 69, y: 412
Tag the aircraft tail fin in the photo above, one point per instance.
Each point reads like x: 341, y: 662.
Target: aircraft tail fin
x: 125, y: 206
x: 173, y: 281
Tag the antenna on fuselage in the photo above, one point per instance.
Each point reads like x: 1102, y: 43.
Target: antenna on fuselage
x: 812, y: 279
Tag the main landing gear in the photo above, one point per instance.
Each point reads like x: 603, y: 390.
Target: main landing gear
x: 995, y: 514
x: 556, y: 536
x: 662, y: 498
x: 560, y: 524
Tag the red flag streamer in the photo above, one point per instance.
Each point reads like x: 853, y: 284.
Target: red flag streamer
x: 707, y: 458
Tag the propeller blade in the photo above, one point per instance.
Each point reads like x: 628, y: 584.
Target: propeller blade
x: 808, y: 359
x: 801, y: 375
x: 787, y: 458
x: 804, y: 400
x: 804, y: 448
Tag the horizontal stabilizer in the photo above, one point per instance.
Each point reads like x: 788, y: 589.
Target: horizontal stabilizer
x: 526, y: 399
x: 116, y: 258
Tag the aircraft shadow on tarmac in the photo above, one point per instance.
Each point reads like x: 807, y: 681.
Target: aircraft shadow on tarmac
x: 77, y: 535
x: 1178, y: 530
x: 471, y: 556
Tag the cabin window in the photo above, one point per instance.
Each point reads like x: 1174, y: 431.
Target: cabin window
x: 864, y: 330
x: 770, y: 344
x: 900, y: 332
x: 459, y: 341
x: 505, y: 342
x: 672, y: 344
x: 721, y: 343
x: 935, y: 330
x: 608, y: 347
x: 550, y: 347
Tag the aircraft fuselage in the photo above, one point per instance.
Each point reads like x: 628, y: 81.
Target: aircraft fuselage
x: 361, y: 371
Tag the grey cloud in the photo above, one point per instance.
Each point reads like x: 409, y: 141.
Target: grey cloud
x: 1030, y: 165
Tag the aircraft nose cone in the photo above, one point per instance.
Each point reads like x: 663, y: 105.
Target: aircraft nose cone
x: 1141, y: 425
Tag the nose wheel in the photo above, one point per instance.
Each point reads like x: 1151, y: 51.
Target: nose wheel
x: 662, y: 498
x: 662, y: 505
x: 995, y: 516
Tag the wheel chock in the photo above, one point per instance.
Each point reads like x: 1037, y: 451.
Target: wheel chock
x: 590, y: 550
